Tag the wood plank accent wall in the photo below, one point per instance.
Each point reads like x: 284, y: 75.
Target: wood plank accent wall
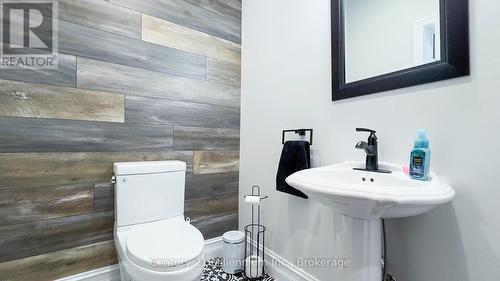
x: 138, y: 80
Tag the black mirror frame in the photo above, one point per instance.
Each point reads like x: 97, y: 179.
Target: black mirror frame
x: 454, y: 19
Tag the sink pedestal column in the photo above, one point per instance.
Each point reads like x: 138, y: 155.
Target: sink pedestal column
x: 361, y: 241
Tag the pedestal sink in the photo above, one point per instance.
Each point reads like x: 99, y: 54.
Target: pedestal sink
x: 367, y: 197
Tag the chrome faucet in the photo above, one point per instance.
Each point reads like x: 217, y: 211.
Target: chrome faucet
x: 371, y: 149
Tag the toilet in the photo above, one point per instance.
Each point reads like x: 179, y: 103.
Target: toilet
x: 153, y: 239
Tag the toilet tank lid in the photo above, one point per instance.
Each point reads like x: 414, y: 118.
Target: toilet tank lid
x: 150, y: 167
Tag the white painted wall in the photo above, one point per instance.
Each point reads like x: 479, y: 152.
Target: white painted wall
x: 375, y: 45
x: 287, y: 84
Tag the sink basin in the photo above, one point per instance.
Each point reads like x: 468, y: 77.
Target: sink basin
x: 371, y: 195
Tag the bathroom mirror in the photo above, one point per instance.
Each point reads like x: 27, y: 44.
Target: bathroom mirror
x: 380, y: 45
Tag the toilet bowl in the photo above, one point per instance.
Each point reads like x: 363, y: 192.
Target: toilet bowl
x: 152, y: 238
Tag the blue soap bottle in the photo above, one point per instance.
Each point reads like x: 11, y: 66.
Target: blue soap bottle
x: 420, y: 158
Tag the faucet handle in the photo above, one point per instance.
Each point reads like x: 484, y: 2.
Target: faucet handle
x: 365, y: 130
x: 372, y: 139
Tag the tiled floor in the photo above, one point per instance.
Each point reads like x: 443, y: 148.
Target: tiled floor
x: 213, y: 272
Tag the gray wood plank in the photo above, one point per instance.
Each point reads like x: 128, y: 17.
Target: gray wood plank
x: 104, y: 204
x: 103, y: 190
x: 30, y: 239
x: 198, y: 138
x: 230, y: 8
x: 97, y: 75
x: 214, y: 226
x: 187, y: 14
x: 101, y: 45
x: 215, y: 205
x: 63, y: 263
x: 224, y: 50
x: 42, y: 101
x: 42, y: 135
x: 161, y: 111
x: 51, y: 169
x: 223, y: 72
x: 207, y: 162
x: 64, y: 75
x: 101, y: 15
x: 104, y: 197
x: 35, y: 204
x: 162, y: 32
x: 205, y: 185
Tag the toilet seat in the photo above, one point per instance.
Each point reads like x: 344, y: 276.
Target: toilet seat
x: 166, y: 245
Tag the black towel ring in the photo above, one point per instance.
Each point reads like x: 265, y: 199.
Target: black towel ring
x: 300, y: 132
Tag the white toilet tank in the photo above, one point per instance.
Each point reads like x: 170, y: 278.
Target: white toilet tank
x: 148, y: 191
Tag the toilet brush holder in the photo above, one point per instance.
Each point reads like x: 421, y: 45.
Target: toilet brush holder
x: 255, y: 237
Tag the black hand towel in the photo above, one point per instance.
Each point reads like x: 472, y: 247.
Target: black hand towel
x: 295, y: 156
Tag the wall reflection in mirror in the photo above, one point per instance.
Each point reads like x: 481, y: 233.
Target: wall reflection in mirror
x: 384, y: 36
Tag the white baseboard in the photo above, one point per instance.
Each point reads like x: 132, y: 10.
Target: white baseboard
x: 108, y: 273
x: 278, y: 267
x: 283, y: 270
